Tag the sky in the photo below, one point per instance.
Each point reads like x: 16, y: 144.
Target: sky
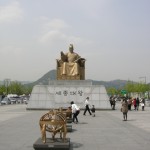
x: 112, y: 35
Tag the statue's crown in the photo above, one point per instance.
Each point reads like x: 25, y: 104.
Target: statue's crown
x: 71, y: 46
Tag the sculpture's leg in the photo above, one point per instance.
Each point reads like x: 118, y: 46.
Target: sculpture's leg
x: 65, y: 132
x: 64, y: 68
x: 54, y: 131
x: 61, y: 133
x: 43, y: 131
x: 53, y: 136
x: 74, y: 69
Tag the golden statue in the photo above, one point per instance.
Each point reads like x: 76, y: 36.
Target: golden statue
x: 71, y: 66
x: 55, y: 122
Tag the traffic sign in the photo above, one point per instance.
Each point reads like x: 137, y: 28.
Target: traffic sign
x: 123, y: 92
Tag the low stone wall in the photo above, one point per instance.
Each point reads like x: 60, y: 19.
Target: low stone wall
x: 61, y: 93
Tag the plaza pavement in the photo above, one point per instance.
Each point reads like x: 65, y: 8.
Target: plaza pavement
x: 19, y: 129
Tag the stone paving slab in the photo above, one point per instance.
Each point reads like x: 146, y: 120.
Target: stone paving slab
x: 19, y: 129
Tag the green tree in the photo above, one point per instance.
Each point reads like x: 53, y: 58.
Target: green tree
x: 136, y: 87
x: 129, y: 87
x: 2, y: 89
x: 112, y: 91
x: 15, y: 88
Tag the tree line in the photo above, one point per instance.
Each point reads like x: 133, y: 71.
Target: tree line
x: 20, y: 89
x: 15, y: 88
x: 130, y: 87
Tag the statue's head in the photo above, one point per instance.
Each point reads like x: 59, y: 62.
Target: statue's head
x: 71, y: 48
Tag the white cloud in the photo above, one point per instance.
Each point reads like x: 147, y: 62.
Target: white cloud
x: 92, y: 9
x: 11, y: 51
x: 51, y: 36
x: 11, y: 13
x: 56, y: 36
x: 55, y: 24
x: 55, y: 31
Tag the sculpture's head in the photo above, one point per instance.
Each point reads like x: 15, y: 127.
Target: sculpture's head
x: 71, y: 48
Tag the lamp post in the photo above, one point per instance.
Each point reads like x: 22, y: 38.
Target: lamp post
x: 145, y: 83
x: 7, y: 83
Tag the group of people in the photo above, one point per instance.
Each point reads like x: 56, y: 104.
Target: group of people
x: 76, y: 110
x: 136, y: 102
x: 128, y: 102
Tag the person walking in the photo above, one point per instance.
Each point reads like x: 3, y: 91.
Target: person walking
x: 142, y: 103
x: 124, y: 109
x: 134, y: 103
x: 137, y: 103
x: 75, y: 112
x: 129, y: 103
x: 87, y: 106
x: 110, y: 100
x: 113, y: 103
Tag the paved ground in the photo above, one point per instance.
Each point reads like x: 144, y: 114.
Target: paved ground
x: 19, y: 129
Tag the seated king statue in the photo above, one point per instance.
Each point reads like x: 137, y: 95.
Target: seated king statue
x: 70, y: 66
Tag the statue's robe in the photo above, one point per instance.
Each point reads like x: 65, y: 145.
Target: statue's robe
x: 70, y: 65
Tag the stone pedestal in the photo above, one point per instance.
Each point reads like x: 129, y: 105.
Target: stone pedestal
x: 69, y: 128
x: 58, y: 144
x: 60, y: 93
x: 69, y: 120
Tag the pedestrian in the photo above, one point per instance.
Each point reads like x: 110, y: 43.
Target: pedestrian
x: 124, y: 109
x: 137, y: 103
x: 113, y: 103
x: 134, y: 103
x: 142, y: 103
x: 93, y: 110
x: 110, y: 99
x: 75, y: 112
x: 87, y: 106
x: 129, y: 103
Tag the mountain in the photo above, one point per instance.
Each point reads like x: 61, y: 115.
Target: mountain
x: 44, y: 80
x: 51, y: 75
x: 118, y: 84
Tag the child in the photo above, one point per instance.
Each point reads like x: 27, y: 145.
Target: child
x: 93, y: 111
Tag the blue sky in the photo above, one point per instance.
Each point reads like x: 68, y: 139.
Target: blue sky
x: 112, y: 35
